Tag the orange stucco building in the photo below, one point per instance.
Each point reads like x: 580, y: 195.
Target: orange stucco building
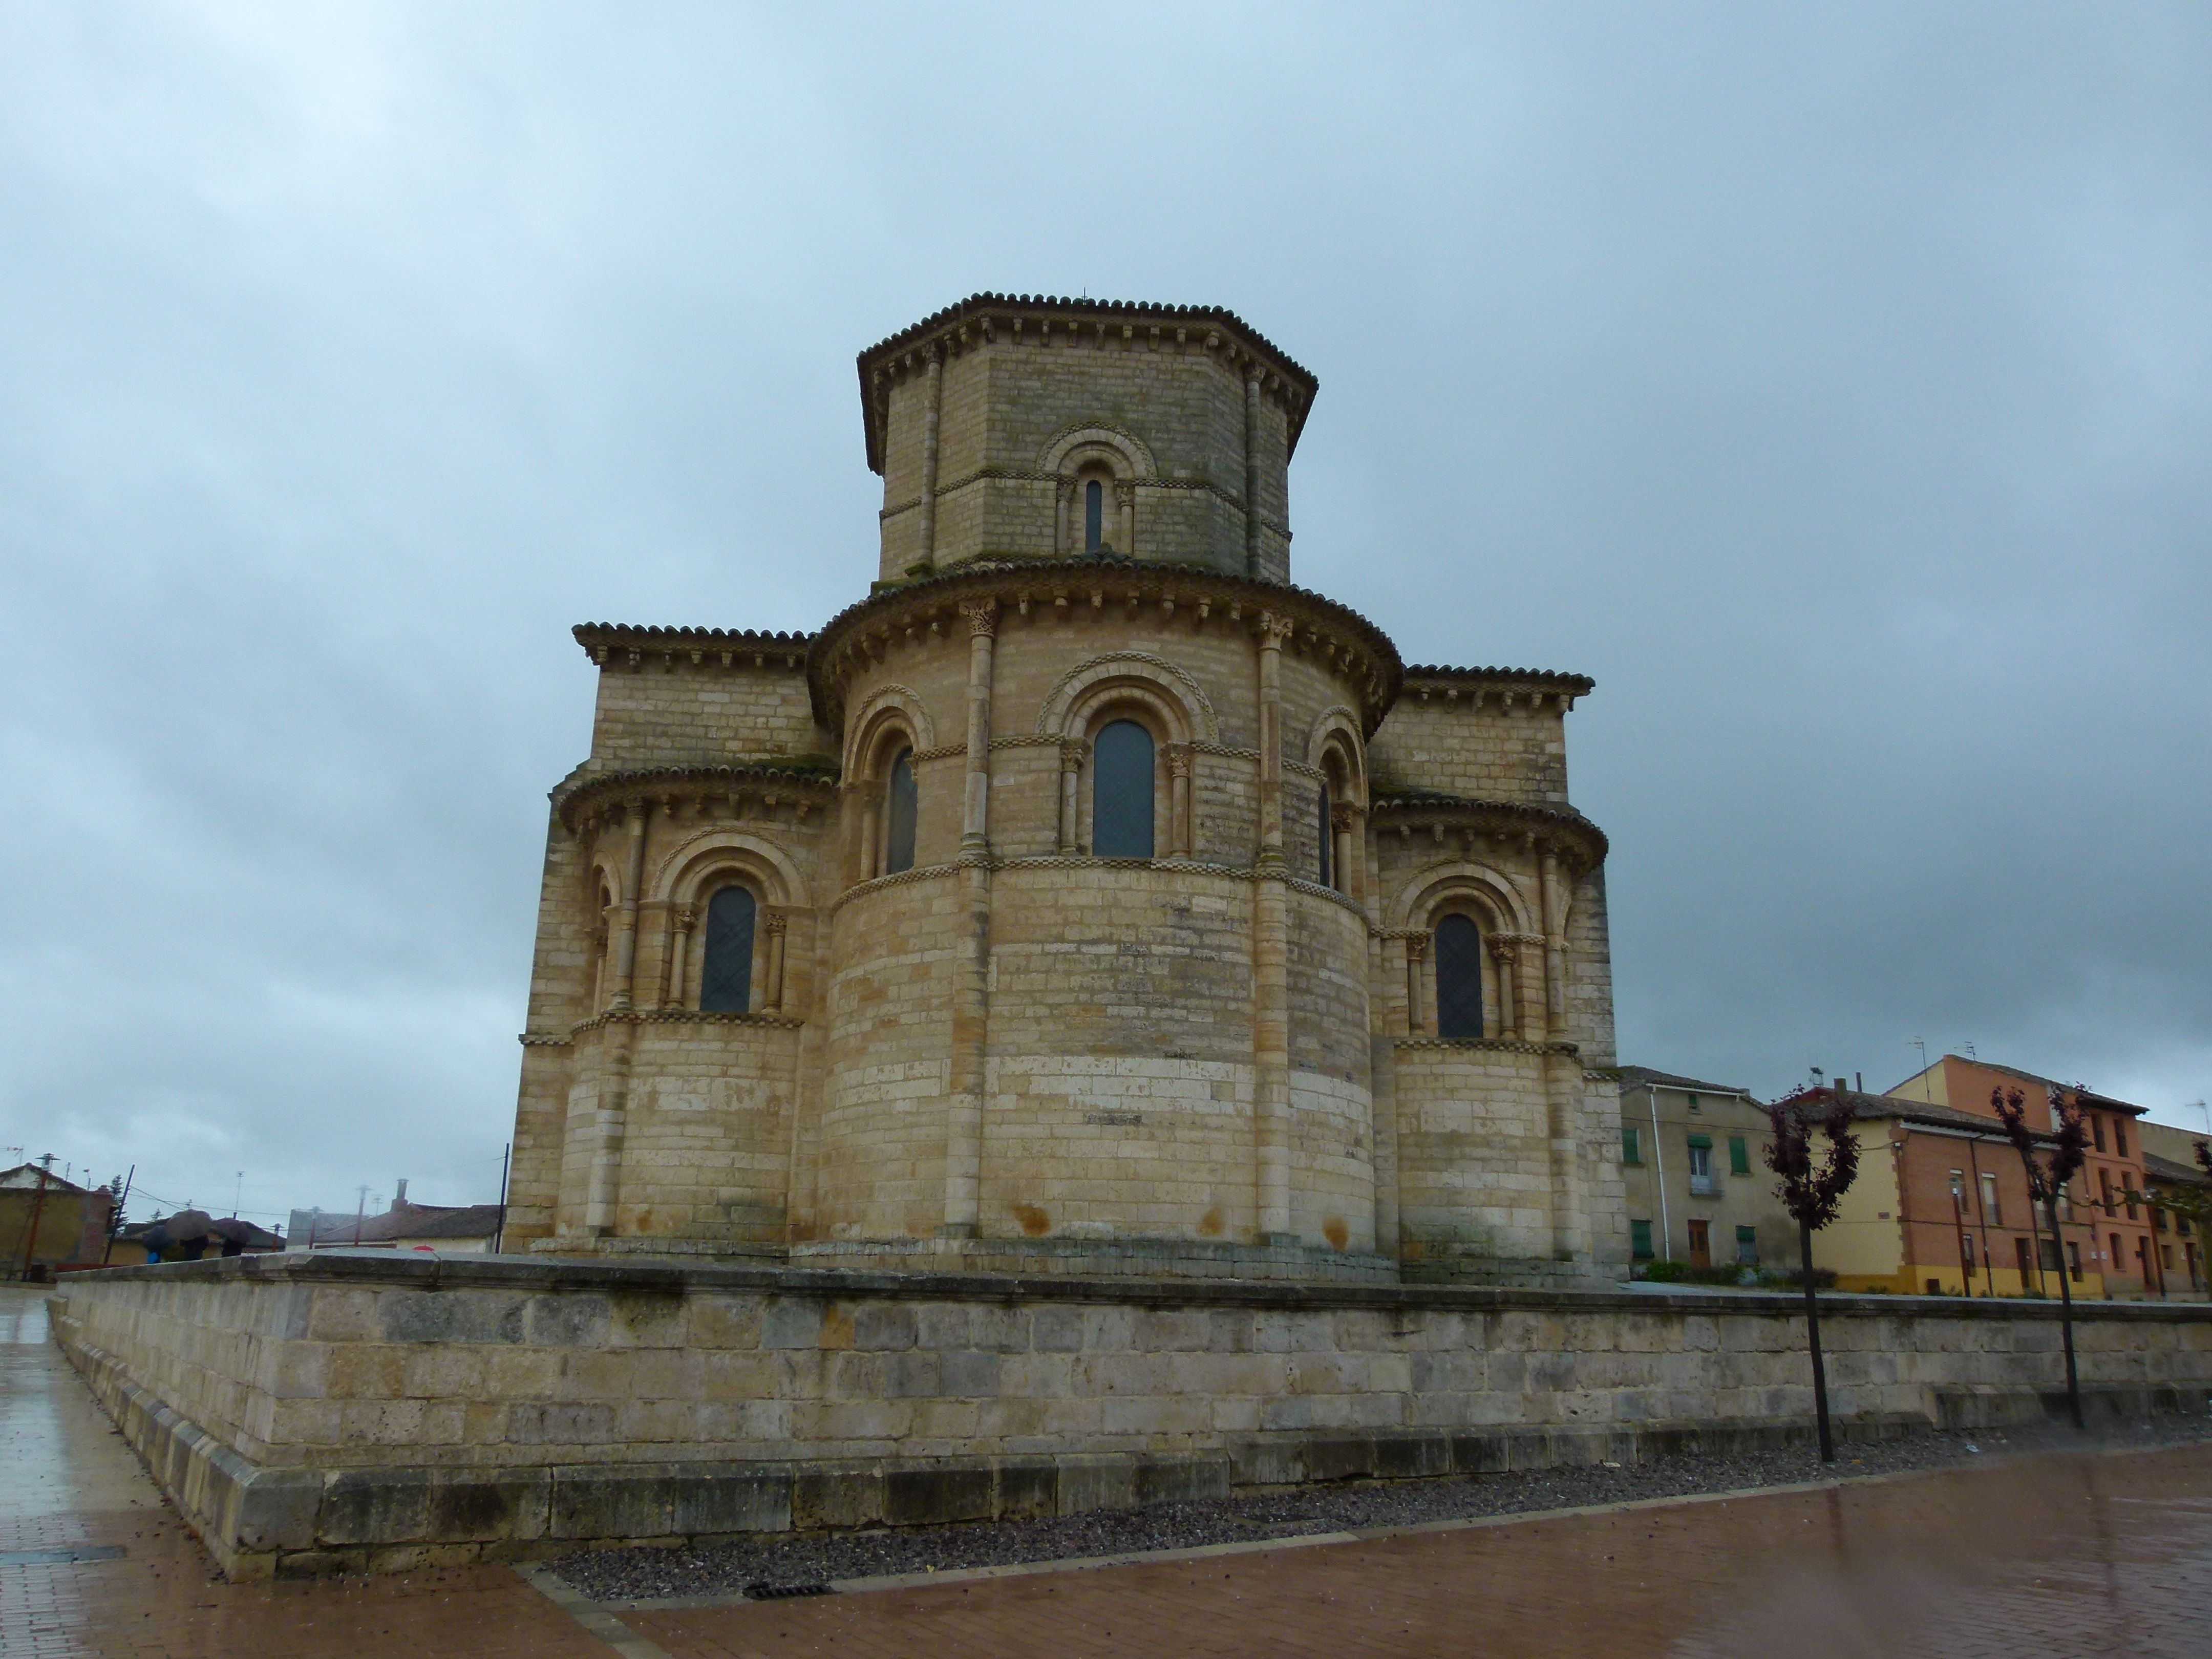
x: 1941, y: 1202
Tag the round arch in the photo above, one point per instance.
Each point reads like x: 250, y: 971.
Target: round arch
x: 1135, y: 677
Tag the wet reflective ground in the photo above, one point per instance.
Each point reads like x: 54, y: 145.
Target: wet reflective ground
x: 2052, y: 1555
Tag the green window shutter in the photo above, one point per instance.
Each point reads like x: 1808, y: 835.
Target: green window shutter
x: 1639, y: 1240
x: 1706, y: 1141
x: 1739, y: 1155
x: 1632, y: 1145
x: 1747, y: 1235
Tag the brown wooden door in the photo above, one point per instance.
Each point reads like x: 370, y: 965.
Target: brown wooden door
x: 1701, y: 1244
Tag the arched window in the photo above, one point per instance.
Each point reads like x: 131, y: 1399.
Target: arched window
x: 898, y: 815
x: 1094, y: 515
x: 1325, y: 833
x: 725, y: 979
x: 1459, y: 977
x: 1122, y: 792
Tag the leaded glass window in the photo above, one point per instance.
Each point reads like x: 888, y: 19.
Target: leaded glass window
x: 1459, y: 978
x: 1122, y: 792
x: 899, y: 815
x: 1325, y: 849
x: 725, y: 979
x: 1094, y: 515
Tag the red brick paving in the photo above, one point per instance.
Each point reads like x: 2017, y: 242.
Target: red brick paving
x: 2053, y: 1556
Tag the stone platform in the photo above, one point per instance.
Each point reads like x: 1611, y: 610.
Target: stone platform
x: 333, y: 1410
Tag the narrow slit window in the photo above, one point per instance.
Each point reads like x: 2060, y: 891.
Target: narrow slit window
x: 1121, y: 784
x: 1459, y: 978
x: 725, y: 979
x: 1094, y: 515
x: 899, y: 816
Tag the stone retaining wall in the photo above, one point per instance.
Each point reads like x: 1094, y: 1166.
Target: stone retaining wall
x: 329, y: 1409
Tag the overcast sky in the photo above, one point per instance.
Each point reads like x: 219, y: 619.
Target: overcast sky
x: 1829, y: 382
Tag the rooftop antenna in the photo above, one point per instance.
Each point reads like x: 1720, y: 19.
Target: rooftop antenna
x: 1969, y: 1048
x: 237, y: 1193
x: 1921, y: 1043
x: 2207, y: 1111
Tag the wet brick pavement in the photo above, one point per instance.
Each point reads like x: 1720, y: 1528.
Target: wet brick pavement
x: 2055, y: 1555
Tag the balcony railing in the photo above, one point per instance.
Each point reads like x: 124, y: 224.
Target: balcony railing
x: 1705, y: 1185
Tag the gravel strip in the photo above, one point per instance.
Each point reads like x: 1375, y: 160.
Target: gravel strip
x: 787, y: 1559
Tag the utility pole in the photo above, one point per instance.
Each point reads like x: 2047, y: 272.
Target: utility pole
x: 115, y: 1220
x: 38, y: 1207
x: 506, y: 1158
x: 1958, y: 1221
x: 359, y: 1209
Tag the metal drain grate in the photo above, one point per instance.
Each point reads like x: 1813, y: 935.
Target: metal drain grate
x: 782, y: 1592
x: 66, y: 1555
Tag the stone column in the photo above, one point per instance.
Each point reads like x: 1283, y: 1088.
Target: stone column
x: 1555, y: 974
x: 1071, y: 775
x: 625, y: 942
x: 933, y: 400
x: 679, y: 952
x: 612, y: 1118
x: 1252, y: 469
x: 772, y: 997
x: 1179, y: 835
x: 963, y: 1140
x: 1563, y: 1078
x: 1505, y: 951
x: 1417, y: 948
x: 1340, y: 866
x: 1125, y: 492
x: 1271, y: 986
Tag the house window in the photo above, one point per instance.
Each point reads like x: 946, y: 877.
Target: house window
x: 1639, y: 1240
x: 2166, y: 1256
x: 2027, y: 1261
x: 1322, y: 865
x: 1701, y: 1165
x: 1693, y: 1099
x: 1121, y: 784
x: 1701, y: 1244
x: 1094, y: 515
x: 725, y: 979
x: 2104, y: 1189
x: 1739, y: 1155
x: 1992, y: 1212
x: 1967, y: 1256
x: 1747, y: 1246
x: 2097, y: 1130
x: 2112, y: 1261
x: 899, y: 816
x: 2074, y: 1255
x: 2047, y: 1252
x: 1631, y: 1144
x: 2119, y: 1137
x: 1459, y: 978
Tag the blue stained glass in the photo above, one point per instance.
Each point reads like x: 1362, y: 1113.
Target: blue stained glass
x: 898, y: 844
x: 726, y: 981
x: 1459, y: 978
x: 1094, y: 515
x: 1122, y: 792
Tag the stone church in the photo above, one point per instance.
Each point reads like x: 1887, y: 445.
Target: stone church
x: 1086, y: 898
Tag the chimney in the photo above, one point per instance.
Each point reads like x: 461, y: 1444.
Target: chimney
x: 399, y: 1195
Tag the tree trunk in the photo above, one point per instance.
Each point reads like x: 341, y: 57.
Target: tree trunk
x: 2065, y: 1314
x: 1813, y: 1331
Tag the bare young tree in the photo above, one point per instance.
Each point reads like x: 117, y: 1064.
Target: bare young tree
x: 1812, y: 1195
x: 2047, y: 1179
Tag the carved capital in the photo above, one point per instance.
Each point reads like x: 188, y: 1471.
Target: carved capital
x: 1274, y: 630
x: 1178, y: 756
x: 982, y: 615
x: 1417, y: 945
x: 1071, y: 755
x: 1340, y: 820
x: 684, y: 919
x: 775, y: 921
